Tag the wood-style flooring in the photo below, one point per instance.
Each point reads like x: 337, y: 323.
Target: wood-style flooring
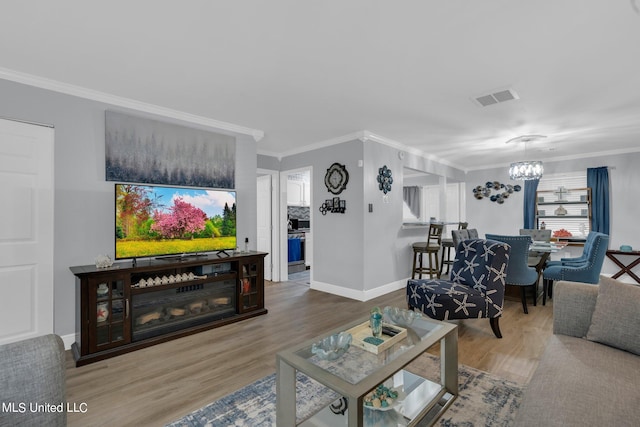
x: 159, y: 384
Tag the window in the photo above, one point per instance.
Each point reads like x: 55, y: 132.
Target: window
x: 429, y: 203
x: 578, y: 226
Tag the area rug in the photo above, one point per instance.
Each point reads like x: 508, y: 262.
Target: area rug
x: 483, y: 400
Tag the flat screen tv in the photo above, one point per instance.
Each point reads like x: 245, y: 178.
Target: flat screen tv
x: 155, y: 221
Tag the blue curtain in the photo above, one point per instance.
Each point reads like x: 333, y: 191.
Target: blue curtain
x: 530, y: 188
x: 598, y: 181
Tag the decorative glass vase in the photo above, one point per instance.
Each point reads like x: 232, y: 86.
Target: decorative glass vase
x: 102, y: 311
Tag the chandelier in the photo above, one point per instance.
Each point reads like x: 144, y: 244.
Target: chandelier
x: 528, y: 169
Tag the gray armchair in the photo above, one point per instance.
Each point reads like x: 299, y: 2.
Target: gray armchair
x: 463, y: 234
x: 536, y: 236
x: 32, y: 371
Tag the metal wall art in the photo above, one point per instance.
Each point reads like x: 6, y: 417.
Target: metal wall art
x: 335, y: 205
x: 384, y: 179
x: 336, y: 178
x: 504, y: 190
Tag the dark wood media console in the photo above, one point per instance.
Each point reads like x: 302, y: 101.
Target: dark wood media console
x: 134, y: 305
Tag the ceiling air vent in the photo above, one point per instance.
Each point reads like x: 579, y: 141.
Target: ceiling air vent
x: 496, y: 97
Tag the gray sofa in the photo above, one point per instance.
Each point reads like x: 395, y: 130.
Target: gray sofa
x: 582, y: 382
x: 32, y: 383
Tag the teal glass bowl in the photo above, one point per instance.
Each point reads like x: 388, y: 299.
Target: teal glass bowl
x: 332, y: 347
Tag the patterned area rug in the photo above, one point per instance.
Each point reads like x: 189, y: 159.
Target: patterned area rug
x: 483, y: 400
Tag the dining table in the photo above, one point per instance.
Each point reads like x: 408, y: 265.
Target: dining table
x: 544, y: 249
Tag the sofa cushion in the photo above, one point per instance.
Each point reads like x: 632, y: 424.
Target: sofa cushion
x: 616, y: 317
x: 582, y: 383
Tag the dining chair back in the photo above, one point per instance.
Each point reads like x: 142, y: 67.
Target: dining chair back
x: 536, y: 236
x: 586, y: 253
x: 463, y: 234
x: 518, y: 271
x: 585, y: 272
x: 447, y: 246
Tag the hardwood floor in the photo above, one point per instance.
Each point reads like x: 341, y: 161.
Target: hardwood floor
x: 159, y: 384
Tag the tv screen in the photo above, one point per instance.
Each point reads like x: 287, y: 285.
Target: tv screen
x: 160, y: 220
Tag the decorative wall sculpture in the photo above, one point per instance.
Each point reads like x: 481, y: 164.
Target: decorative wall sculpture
x: 384, y: 179
x: 147, y: 151
x: 336, y: 178
x: 335, y: 205
x: 503, y: 191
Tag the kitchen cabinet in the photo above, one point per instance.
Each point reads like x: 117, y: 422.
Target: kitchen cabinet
x: 298, y: 193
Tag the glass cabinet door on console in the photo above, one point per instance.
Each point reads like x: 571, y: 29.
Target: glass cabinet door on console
x: 108, y: 312
x: 251, y: 284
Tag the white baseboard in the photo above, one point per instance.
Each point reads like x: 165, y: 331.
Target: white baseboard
x: 358, y: 295
x: 68, y: 340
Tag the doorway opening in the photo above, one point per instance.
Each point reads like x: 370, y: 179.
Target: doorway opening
x: 299, y: 238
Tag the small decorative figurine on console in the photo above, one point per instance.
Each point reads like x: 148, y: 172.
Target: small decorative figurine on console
x: 103, y: 261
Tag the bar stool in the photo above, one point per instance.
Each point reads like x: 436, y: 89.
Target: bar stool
x: 447, y: 245
x: 431, y: 248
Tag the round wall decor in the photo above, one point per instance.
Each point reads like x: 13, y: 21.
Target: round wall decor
x: 336, y: 178
x: 384, y: 179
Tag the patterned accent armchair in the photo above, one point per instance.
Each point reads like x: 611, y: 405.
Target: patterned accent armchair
x: 476, y: 288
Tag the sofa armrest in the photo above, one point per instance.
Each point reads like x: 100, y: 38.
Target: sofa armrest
x: 32, y: 372
x: 573, y: 305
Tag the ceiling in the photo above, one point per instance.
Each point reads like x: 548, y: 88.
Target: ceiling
x: 308, y: 72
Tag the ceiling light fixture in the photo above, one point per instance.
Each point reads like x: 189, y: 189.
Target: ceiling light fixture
x: 528, y: 169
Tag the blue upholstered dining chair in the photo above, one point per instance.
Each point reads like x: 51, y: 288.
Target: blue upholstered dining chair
x: 585, y: 272
x: 536, y: 236
x: 518, y: 272
x: 476, y: 287
x: 586, y: 251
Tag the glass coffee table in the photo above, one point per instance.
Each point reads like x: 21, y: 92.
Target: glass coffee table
x: 359, y: 372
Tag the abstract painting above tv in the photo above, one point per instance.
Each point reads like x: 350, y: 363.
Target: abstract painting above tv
x: 148, y: 151
x: 158, y: 220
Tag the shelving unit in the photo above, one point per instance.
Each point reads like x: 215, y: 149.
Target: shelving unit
x: 131, y: 306
x: 569, y: 209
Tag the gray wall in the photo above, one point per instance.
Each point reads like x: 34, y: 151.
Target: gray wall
x: 624, y: 174
x: 84, y: 201
x: 361, y: 254
x: 338, y: 258
x: 385, y: 253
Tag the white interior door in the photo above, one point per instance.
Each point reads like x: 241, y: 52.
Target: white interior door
x: 264, y: 242
x: 26, y: 230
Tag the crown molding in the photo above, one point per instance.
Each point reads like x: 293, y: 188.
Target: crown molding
x: 94, y: 95
x: 564, y: 158
x: 321, y: 144
x: 370, y: 136
x: 364, y: 136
